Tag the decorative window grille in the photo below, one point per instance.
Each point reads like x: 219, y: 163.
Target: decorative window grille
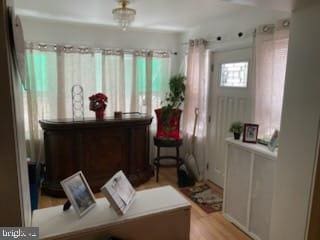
x: 234, y: 74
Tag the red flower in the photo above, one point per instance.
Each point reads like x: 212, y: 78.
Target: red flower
x: 99, y: 97
x: 98, y: 102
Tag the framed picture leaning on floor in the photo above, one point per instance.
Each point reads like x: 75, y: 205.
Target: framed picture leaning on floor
x: 250, y: 133
x: 79, y: 193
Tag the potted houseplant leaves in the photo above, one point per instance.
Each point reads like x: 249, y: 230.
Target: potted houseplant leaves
x: 236, y: 128
x: 169, y: 115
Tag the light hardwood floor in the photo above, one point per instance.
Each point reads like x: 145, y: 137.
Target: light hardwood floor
x: 203, y: 226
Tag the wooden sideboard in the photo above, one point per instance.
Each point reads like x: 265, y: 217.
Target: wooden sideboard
x: 99, y: 148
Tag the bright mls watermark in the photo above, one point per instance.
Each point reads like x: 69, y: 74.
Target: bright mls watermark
x: 30, y: 233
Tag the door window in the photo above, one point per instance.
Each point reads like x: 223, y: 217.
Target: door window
x: 234, y: 74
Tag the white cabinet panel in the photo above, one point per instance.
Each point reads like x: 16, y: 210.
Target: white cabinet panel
x: 249, y: 187
x: 261, y: 198
x: 237, y: 189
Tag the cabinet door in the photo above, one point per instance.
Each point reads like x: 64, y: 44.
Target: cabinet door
x: 61, y: 157
x: 139, y: 155
x: 237, y: 184
x: 104, y: 152
x: 261, y: 198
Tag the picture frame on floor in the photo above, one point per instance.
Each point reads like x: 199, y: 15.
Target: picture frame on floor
x: 250, y: 133
x: 79, y: 193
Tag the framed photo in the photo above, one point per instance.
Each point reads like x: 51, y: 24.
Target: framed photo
x: 79, y: 193
x: 250, y: 133
x: 119, y: 192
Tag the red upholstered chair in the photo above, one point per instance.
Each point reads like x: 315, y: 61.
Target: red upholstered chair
x: 168, y: 136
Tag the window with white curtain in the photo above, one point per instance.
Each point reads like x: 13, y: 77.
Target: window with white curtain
x: 133, y: 83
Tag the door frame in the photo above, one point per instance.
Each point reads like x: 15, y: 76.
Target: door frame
x: 313, y: 230
x: 14, y: 185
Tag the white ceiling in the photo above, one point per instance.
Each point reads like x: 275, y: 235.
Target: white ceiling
x: 177, y: 15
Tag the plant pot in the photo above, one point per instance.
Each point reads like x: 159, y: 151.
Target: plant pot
x: 100, y: 114
x: 236, y: 136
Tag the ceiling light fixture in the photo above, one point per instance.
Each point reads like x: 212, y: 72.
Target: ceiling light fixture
x: 123, y: 15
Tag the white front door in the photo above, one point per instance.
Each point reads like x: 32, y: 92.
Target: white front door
x: 230, y: 100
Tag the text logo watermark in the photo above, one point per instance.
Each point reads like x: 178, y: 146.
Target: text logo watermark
x: 30, y: 233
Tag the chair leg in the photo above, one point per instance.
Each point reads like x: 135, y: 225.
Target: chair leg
x: 178, y: 160
x: 157, y: 164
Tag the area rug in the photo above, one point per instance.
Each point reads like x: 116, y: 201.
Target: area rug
x: 205, y: 197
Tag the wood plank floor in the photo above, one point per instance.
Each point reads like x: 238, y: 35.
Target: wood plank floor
x: 203, y: 226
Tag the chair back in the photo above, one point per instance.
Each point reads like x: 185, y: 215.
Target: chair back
x: 168, y: 126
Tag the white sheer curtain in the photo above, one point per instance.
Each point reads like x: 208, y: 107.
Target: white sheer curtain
x: 196, y: 96
x: 76, y: 68
x: 113, y: 84
x: 271, y: 48
x: 138, y: 82
x: 40, y: 97
x: 133, y: 82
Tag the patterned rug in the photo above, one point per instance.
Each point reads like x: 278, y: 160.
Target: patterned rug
x: 205, y: 197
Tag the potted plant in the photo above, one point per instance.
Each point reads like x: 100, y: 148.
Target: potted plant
x: 236, y: 128
x: 169, y: 115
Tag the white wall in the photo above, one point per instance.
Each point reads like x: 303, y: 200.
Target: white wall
x: 40, y: 30
x: 299, y: 127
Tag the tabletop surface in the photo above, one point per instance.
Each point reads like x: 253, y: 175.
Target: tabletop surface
x: 54, y: 222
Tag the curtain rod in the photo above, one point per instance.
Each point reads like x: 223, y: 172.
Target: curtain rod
x: 219, y: 39
x: 87, y: 49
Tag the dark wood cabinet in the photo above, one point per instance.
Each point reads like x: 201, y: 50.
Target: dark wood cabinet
x: 98, y: 148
